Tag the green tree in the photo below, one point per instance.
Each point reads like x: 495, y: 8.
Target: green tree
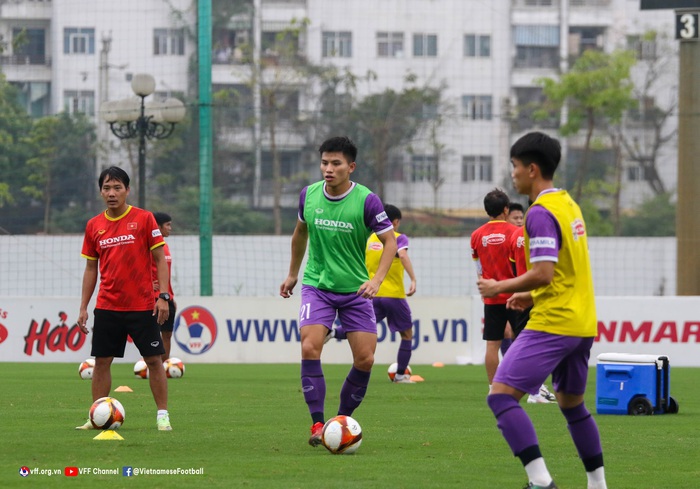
x: 15, y: 124
x: 386, y: 122
x: 655, y: 217
x: 61, y: 166
x: 596, y: 91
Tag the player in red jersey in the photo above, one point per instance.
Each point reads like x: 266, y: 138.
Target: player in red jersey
x: 120, y: 243
x: 490, y: 251
x: 165, y: 224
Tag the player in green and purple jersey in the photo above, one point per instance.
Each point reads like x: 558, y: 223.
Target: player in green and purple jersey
x: 336, y: 216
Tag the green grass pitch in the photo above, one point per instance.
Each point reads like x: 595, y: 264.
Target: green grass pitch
x: 247, y: 426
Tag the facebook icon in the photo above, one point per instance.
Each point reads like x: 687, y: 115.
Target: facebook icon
x: 127, y: 471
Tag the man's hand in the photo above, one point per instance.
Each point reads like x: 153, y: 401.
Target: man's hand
x: 369, y: 289
x: 288, y: 286
x: 488, y: 287
x: 519, y: 301
x: 162, y: 310
x: 82, y: 321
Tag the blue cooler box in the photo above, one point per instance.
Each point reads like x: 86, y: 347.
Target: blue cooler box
x: 633, y: 384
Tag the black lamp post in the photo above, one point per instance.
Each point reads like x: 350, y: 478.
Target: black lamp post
x: 134, y: 118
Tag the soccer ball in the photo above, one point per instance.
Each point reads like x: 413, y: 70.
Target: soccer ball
x: 174, y: 368
x: 392, y: 370
x: 341, y: 434
x: 85, y: 369
x: 107, y: 413
x: 141, y: 369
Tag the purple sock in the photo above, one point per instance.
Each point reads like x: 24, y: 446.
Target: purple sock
x: 313, y: 384
x: 403, y: 357
x: 514, y: 423
x: 353, y: 391
x: 505, y: 344
x: 584, y: 433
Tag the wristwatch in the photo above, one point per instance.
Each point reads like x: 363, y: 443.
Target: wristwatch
x: 165, y: 296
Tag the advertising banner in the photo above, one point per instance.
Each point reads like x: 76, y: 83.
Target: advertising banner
x: 265, y: 330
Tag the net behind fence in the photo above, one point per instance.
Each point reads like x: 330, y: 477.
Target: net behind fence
x: 257, y: 265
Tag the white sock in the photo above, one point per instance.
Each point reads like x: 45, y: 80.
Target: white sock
x: 596, y: 479
x: 161, y: 413
x: 537, y: 473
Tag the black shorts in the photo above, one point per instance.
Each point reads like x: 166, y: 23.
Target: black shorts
x: 112, y: 327
x: 495, y: 318
x: 170, y: 323
x: 519, y: 325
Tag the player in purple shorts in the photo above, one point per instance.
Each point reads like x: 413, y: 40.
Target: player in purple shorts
x: 559, y: 334
x: 336, y: 216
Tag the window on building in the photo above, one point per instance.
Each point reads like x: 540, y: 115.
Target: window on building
x: 35, y: 97
x: 424, y: 168
x: 390, y: 44
x: 477, y: 107
x: 536, y: 46
x: 538, y: 3
x: 477, y: 46
x: 425, y: 45
x: 644, y: 48
x: 584, y: 38
x: 290, y: 166
x: 637, y: 171
x: 477, y: 168
x: 337, y: 44
x: 82, y: 102
x: 32, y: 49
x: 78, y: 40
x: 169, y: 41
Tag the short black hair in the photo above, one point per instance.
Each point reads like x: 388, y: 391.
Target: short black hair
x: 162, y: 218
x: 515, y: 206
x: 540, y: 149
x: 339, y: 144
x: 392, y: 212
x: 495, y: 202
x: 114, y: 173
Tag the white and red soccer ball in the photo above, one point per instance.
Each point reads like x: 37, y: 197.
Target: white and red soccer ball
x: 174, y: 368
x: 341, y: 434
x: 141, y: 369
x: 107, y: 413
x: 392, y: 371
x: 86, y: 368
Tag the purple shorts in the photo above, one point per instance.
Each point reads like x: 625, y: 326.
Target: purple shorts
x: 321, y: 307
x: 396, y: 312
x: 534, y: 355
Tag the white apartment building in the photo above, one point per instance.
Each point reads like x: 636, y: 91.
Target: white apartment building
x: 486, y: 54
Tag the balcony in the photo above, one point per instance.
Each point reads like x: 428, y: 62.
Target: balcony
x: 26, y: 9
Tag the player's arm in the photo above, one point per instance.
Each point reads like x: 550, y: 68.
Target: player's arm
x: 88, y: 288
x: 299, y: 241
x: 408, y: 266
x: 540, y: 275
x: 370, y: 288
x: 161, y: 307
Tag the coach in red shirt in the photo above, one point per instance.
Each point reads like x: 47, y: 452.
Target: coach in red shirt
x: 120, y: 243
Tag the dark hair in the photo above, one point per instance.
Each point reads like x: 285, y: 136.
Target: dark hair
x: 515, y: 206
x: 339, y: 144
x: 496, y: 202
x: 114, y: 173
x: 540, y: 149
x: 162, y: 218
x: 392, y: 212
